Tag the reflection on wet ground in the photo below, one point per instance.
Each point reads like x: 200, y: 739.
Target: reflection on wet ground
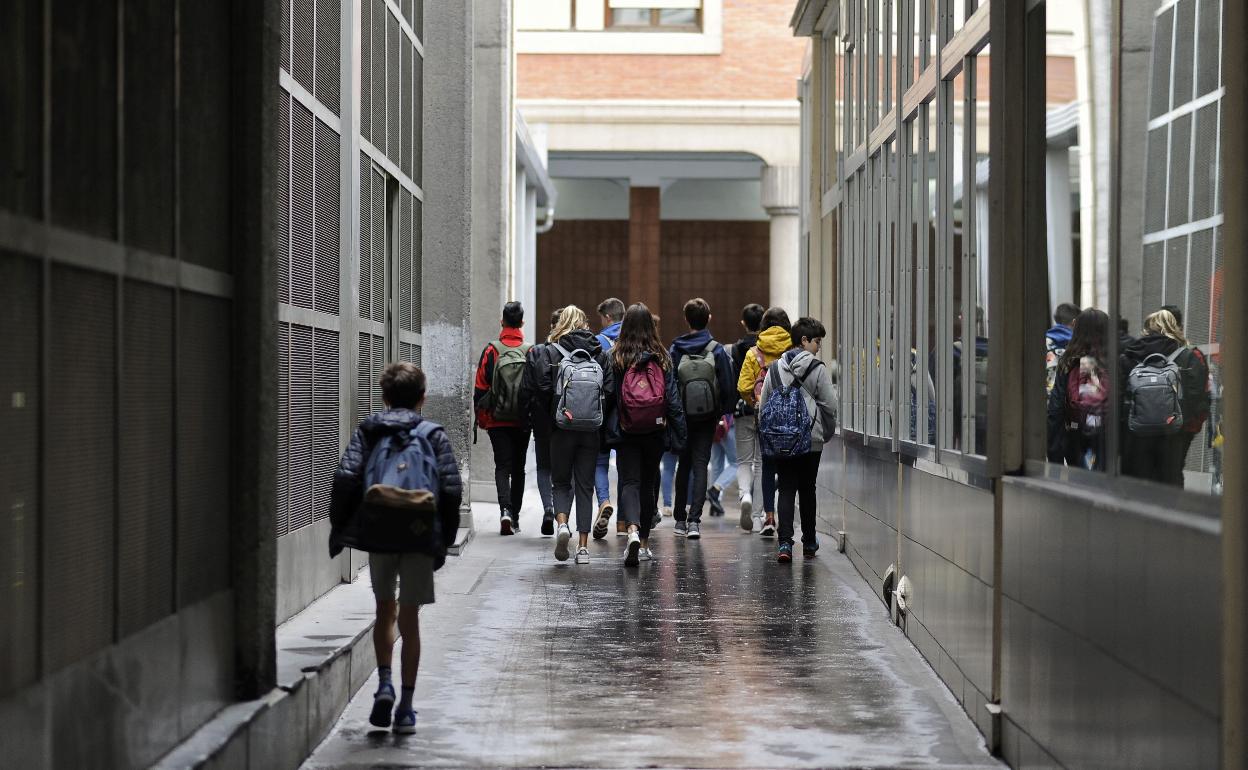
x: 712, y: 656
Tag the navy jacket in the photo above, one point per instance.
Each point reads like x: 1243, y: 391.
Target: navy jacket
x: 676, y: 434
x: 367, y: 533
x: 696, y: 342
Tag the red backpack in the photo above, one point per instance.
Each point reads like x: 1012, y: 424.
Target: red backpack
x: 1087, y: 396
x: 643, y: 399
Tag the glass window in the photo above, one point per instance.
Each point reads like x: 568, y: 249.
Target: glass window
x: 630, y: 17
x: 653, y: 17
x: 682, y: 17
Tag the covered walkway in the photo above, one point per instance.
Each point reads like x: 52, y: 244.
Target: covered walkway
x: 712, y: 656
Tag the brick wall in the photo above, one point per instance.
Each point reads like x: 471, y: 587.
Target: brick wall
x: 761, y: 60
x: 580, y: 262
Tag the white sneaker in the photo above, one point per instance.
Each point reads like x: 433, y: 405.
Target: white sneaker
x: 747, y: 514
x: 582, y: 555
x: 667, y: 511
x: 759, y: 518
x: 645, y: 554
x: 632, y: 550
x: 561, y: 542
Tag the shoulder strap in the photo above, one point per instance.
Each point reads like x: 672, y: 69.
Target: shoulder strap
x: 809, y: 371
x: 564, y: 353
x: 762, y: 360
x: 710, y: 347
x: 1170, y: 359
x: 425, y: 429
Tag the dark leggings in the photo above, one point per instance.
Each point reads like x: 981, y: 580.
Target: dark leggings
x: 797, y: 480
x: 637, y: 462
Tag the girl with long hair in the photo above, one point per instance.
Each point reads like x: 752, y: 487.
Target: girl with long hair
x: 573, y: 453
x: 648, y: 417
x: 1080, y: 395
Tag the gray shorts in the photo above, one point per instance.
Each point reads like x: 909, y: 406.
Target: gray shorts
x: 412, y: 571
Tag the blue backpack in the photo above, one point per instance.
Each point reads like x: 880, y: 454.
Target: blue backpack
x: 402, y: 472
x: 785, y: 424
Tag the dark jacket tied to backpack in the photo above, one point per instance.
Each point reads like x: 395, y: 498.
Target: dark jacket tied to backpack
x: 387, y: 531
x: 1161, y: 457
x: 537, y: 389
x: 676, y: 431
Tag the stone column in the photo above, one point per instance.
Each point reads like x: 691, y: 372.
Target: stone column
x: 643, y: 248
x: 781, y: 192
x: 447, y: 246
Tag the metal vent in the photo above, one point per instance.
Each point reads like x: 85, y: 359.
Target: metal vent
x: 205, y: 447
x: 418, y: 85
x: 379, y: 363
x: 393, y: 35
x: 1175, y: 291
x: 324, y: 419
x: 1163, y: 39
x: 417, y: 265
x: 377, y: 80
x: 405, y: 8
x: 1184, y: 55
x: 1155, y: 180
x: 1218, y: 310
x: 404, y: 75
x: 1199, y: 288
x: 328, y: 217
x: 303, y: 44
x: 300, y: 444
x: 364, y: 377
x: 406, y: 283
x: 366, y: 230
x: 328, y: 53
x: 148, y: 105
x: 145, y: 467
x: 1152, y: 274
x: 20, y: 292
x: 1208, y: 45
x: 302, y: 267
x: 79, y: 433
x: 366, y: 60
x: 285, y: 60
x: 1204, y: 161
x: 283, y: 428
x: 1180, y: 167
x: 417, y: 20
x: 378, y: 245
x: 283, y: 198
x: 409, y: 352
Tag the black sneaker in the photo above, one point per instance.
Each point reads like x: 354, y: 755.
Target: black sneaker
x: 383, y: 701
x: 712, y: 496
x: 506, y: 524
x: 548, y: 523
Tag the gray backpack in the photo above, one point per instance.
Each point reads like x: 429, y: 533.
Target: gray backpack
x: 1155, y: 396
x: 699, y: 387
x: 578, y: 391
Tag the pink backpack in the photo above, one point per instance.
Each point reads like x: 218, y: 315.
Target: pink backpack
x: 643, y: 399
x: 760, y: 377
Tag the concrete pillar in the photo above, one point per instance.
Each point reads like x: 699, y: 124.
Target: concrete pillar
x: 643, y: 247
x: 447, y: 238
x: 526, y: 262
x: 780, y: 197
x: 1057, y: 200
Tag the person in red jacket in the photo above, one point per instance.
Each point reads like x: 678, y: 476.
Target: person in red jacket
x: 496, y: 395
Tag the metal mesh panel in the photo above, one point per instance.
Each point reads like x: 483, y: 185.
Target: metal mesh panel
x: 328, y: 53
x: 1205, y: 161
x: 1175, y: 292
x: 379, y: 363
x: 299, y: 446
x: 79, y: 437
x: 21, y: 134
x: 1184, y: 56
x: 283, y: 428
x: 285, y: 61
x: 149, y: 114
x: 145, y: 478
x: 302, y: 44
x: 1180, y: 167
x: 1217, y: 313
x: 406, y: 8
x: 1208, y: 39
x: 1155, y: 181
x: 1199, y: 288
x: 324, y: 419
x: 1163, y: 39
x: 364, y: 376
x: 377, y: 79
x: 1152, y: 274
x: 417, y: 20
x: 393, y: 34
x: 19, y: 483
x: 417, y: 265
x: 205, y: 444
x: 366, y: 59
x: 302, y: 267
x: 283, y: 198
x: 205, y: 124
x: 378, y: 191
x: 405, y: 261
x: 417, y: 126
x: 409, y: 352
x: 366, y: 230
x: 404, y: 75
x: 328, y: 218
x: 84, y: 116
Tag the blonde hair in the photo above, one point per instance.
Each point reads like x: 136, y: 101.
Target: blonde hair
x: 571, y: 318
x: 1164, y: 322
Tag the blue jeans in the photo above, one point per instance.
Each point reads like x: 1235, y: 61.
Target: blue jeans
x: 724, y: 460
x: 602, y: 477
x: 668, y: 477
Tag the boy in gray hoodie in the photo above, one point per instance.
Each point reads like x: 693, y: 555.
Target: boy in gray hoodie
x: 796, y: 480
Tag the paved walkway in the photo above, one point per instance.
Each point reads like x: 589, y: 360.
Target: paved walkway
x: 712, y: 656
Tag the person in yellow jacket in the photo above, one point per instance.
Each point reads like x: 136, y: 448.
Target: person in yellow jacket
x: 773, y: 341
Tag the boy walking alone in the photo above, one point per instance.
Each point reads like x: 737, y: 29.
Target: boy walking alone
x: 496, y: 394
x: 800, y: 369
x: 405, y: 531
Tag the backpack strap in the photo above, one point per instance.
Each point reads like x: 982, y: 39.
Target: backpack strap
x: 758, y: 354
x: 1170, y: 359
x: 710, y: 347
x: 425, y: 429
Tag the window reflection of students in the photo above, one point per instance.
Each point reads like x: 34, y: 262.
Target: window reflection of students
x: 1080, y: 391
x: 1193, y: 423
x: 979, y: 392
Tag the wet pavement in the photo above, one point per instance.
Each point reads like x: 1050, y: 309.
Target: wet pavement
x: 712, y: 656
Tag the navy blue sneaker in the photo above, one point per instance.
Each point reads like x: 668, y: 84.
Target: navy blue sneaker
x: 383, y: 701
x: 717, y: 505
x: 785, y: 554
x: 810, y: 549
x: 404, y: 721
